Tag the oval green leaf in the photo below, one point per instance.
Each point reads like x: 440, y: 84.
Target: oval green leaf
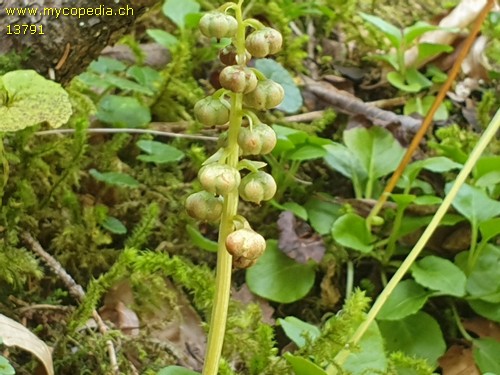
x: 486, y: 353
x: 114, y: 225
x: 279, y: 278
x: 407, y: 298
x: 440, y: 274
x: 159, y: 153
x: 124, y: 112
x: 115, y: 178
x: 416, y: 335
x: 297, y: 330
x: 350, y: 230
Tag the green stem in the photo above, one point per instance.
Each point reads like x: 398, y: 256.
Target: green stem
x: 460, y: 326
x: 473, y: 248
x: 349, y: 279
x: 485, y: 139
x: 224, y: 259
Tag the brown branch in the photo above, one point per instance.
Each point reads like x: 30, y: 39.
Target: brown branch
x: 75, y: 290
x: 347, y: 103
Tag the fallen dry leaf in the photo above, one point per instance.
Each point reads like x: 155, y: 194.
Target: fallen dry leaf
x: 458, y: 360
x: 330, y: 294
x: 116, y: 309
x: 245, y: 296
x: 15, y: 334
x: 298, y: 241
x: 483, y: 327
x: 183, y: 332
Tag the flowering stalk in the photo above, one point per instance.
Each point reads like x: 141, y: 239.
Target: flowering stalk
x: 238, y: 245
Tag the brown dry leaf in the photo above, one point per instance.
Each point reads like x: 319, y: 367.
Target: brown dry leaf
x: 458, y: 361
x: 330, y: 294
x: 183, y: 334
x: 298, y: 241
x: 245, y: 296
x: 483, y: 327
x: 15, y: 334
x: 116, y: 311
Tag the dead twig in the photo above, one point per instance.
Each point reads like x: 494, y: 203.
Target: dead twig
x: 131, y: 131
x: 347, y: 103
x: 75, y: 290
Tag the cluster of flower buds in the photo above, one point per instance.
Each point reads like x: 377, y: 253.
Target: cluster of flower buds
x: 257, y: 93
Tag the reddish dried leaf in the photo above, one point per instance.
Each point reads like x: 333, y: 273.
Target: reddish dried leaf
x: 298, y: 241
x: 116, y: 310
x: 458, y: 361
x: 483, y: 328
x: 245, y: 296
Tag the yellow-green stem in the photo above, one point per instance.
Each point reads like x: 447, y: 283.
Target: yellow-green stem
x: 486, y: 138
x: 230, y: 209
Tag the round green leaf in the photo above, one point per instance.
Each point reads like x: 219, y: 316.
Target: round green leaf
x: 416, y: 335
x: 407, y: 298
x: 123, y: 112
x: 273, y: 70
x: 486, y: 353
x: 440, y: 274
x: 27, y: 99
x: 278, y: 277
x: 350, y: 230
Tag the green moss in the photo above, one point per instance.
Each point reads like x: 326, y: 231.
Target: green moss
x: 12, y: 61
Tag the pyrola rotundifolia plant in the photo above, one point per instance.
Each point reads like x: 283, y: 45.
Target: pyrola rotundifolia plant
x: 228, y: 175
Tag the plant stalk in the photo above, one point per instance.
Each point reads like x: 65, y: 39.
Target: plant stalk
x: 218, y: 318
x: 485, y: 139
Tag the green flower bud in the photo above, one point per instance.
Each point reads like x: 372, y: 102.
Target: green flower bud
x: 266, y: 41
x: 258, y: 141
x: 219, y: 178
x: 238, y: 79
x: 204, y: 206
x: 268, y: 94
x: 218, y: 25
x: 210, y: 111
x: 257, y: 186
x: 245, y: 243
